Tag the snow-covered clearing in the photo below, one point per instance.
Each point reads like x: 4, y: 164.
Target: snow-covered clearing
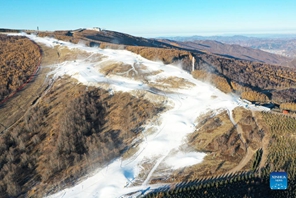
x: 161, y: 147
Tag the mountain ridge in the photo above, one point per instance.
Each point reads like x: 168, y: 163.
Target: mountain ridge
x: 132, y: 89
x: 232, y: 73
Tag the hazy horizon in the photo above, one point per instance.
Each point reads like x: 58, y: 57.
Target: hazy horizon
x: 154, y: 19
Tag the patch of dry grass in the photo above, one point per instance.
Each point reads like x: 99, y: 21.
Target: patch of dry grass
x: 167, y: 56
x: 136, y: 72
x: 239, y: 113
x: 66, y: 54
x: 211, y: 129
x: 174, y: 82
x: 116, y: 68
x: 131, y: 151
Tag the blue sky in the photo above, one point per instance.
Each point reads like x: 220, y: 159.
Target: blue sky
x: 153, y: 17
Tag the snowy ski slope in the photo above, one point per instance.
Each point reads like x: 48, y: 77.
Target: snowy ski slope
x: 174, y: 125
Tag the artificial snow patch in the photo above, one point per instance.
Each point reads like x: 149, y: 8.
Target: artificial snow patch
x: 182, y: 159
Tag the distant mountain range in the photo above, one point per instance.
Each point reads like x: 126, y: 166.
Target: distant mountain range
x: 233, y: 51
x: 232, y: 38
x: 284, y: 45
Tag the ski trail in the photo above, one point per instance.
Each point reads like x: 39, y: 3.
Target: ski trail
x: 231, y: 117
x: 153, y: 169
x: 176, y: 123
x: 133, y: 67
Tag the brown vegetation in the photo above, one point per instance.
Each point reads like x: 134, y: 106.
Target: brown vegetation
x: 254, y: 96
x: 167, y: 56
x: 18, y: 60
x: 255, y: 75
x: 288, y: 106
x: 172, y: 82
x: 285, y: 95
x: 60, y: 35
x: 239, y: 88
x: 70, y: 131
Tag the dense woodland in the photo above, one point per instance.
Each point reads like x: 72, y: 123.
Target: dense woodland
x: 257, y: 75
x: 285, y: 95
x: 19, y: 57
x: 70, y: 132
